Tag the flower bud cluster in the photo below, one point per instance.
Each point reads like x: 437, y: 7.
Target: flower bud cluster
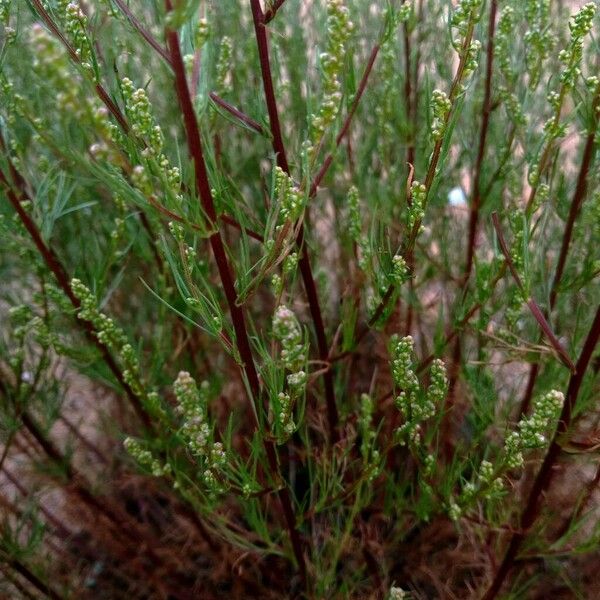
x: 532, y: 431
x: 290, y: 199
x: 399, y: 272
x: 405, y: 11
x: 290, y: 263
x: 485, y: 484
x: 51, y: 63
x: 355, y: 229
x: 454, y: 511
x: 517, y: 224
x: 539, y: 39
x: 401, y: 350
x: 513, y: 106
x: 394, y: 17
x: 202, y: 33
x: 339, y: 29
x: 440, y: 108
x: 75, y: 25
x: 369, y: 453
x: 416, y: 209
x: 145, y: 458
x: 465, y: 14
x: 108, y: 334
x: 416, y: 405
x: 438, y: 385
x: 287, y: 331
x: 471, y: 61
x: 277, y: 284
x: 354, y: 217
x: 397, y: 593
x: 192, y: 406
x: 141, y: 180
x: 503, y: 42
x: 283, y: 410
x: 580, y: 25
x: 4, y: 11
x: 413, y: 406
x: 140, y: 114
x: 224, y: 65
x: 119, y: 222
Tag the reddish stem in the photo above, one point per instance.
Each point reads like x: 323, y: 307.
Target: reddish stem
x: 269, y: 14
x: 143, y: 31
x: 432, y: 169
x: 347, y: 122
x: 238, y: 114
x: 55, y: 266
x: 576, y: 202
x: 546, y: 472
x: 218, y: 248
x: 485, y: 121
x: 531, y: 303
x: 304, y: 262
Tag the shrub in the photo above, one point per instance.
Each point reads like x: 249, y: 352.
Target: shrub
x: 299, y: 299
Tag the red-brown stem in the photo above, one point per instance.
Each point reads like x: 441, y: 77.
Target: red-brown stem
x: 100, y: 90
x: 15, y: 581
x: 155, y: 45
x: 143, y: 31
x: 55, y: 266
x: 531, y: 303
x: 432, y: 169
x: 485, y: 121
x: 271, y: 12
x: 546, y: 472
x: 203, y: 187
x: 347, y: 122
x: 576, y: 202
x: 304, y: 262
x: 237, y: 316
x: 238, y: 114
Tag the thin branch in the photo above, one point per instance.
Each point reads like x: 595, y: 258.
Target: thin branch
x: 304, y: 262
x: 270, y: 13
x: 143, y: 31
x: 531, y: 303
x: 347, y: 121
x: 486, y: 111
x: 57, y: 269
x: 100, y: 90
x: 576, y: 202
x: 432, y: 169
x: 237, y: 315
x: 162, y: 52
x: 238, y: 114
x: 546, y: 472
